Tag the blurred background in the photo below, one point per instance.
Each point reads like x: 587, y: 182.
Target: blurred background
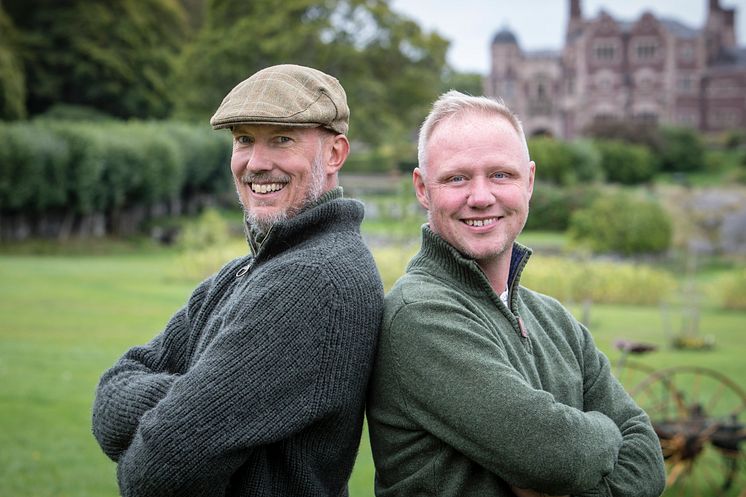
x: 116, y: 196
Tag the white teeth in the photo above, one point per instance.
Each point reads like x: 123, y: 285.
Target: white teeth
x: 267, y: 187
x: 480, y: 222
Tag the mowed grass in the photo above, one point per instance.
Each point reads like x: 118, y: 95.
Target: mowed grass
x: 65, y: 319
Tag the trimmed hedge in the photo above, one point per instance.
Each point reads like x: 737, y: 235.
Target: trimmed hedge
x: 55, y: 174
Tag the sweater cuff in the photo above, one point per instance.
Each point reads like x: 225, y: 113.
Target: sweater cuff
x: 118, y: 410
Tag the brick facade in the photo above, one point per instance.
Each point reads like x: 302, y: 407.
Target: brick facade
x: 652, y: 69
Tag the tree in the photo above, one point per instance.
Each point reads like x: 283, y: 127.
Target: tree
x: 465, y: 82
x: 12, y: 77
x: 388, y: 66
x: 114, y: 55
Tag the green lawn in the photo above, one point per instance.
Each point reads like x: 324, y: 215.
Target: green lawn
x: 66, y: 318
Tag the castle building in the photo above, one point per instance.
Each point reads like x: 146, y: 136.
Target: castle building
x: 652, y: 69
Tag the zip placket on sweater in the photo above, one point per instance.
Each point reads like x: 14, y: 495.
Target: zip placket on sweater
x: 256, y: 247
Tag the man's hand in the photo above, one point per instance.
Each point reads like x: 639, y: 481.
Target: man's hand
x: 527, y: 492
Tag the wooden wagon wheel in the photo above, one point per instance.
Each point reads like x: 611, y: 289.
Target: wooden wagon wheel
x: 698, y: 415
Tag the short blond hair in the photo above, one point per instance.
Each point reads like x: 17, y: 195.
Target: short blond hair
x: 454, y: 103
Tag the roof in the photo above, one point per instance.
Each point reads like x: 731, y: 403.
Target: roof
x: 678, y: 29
x: 505, y: 36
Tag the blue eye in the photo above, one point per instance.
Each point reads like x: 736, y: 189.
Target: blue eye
x: 243, y: 139
x: 457, y: 179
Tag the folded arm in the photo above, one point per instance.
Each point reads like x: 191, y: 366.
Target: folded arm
x: 142, y: 377
x: 256, y: 383
x: 639, y: 471
x: 459, y: 383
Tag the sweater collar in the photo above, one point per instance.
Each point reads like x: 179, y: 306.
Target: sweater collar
x: 331, y: 212
x: 442, y: 259
x: 255, y: 236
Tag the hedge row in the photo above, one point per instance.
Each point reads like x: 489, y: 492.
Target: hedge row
x: 57, y: 173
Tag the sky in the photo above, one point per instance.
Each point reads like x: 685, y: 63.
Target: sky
x: 538, y: 24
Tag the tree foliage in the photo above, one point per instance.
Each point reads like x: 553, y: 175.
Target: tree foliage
x: 12, y: 77
x: 114, y: 55
x: 55, y: 174
x: 388, y: 66
x: 624, y: 224
x: 682, y: 150
x: 626, y: 163
x: 565, y: 163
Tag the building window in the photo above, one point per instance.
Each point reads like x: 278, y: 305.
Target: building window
x: 647, y: 51
x: 509, y: 90
x: 604, y: 118
x: 604, y: 52
x: 647, y: 117
x: 686, y: 52
x: 685, y: 84
x: 726, y: 118
x: 687, y: 118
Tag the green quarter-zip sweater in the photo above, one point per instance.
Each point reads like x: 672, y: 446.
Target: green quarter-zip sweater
x: 470, y: 397
x: 257, y: 386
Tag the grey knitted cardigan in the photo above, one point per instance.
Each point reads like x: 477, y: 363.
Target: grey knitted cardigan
x: 257, y: 386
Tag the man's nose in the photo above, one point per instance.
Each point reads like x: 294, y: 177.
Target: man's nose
x: 480, y: 193
x: 260, y: 158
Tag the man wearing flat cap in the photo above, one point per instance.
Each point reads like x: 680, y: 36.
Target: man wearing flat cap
x: 256, y: 386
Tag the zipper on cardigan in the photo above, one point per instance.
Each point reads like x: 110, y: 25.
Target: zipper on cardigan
x: 244, y: 269
x: 524, y: 331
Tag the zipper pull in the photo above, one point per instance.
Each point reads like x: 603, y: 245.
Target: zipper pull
x: 244, y: 270
x: 524, y: 331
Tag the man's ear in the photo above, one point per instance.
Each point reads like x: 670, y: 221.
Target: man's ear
x: 419, y: 188
x: 340, y: 149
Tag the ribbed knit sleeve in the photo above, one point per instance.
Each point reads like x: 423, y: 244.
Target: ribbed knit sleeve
x: 258, y: 380
x: 140, y: 379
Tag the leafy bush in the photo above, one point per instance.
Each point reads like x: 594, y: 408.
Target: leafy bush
x: 730, y: 290
x: 59, y: 173
x: 600, y: 281
x: 551, y: 206
x: 206, y: 244
x: 624, y: 224
x: 564, y: 163
x: 682, y: 150
x: 626, y: 163
x: 32, y: 169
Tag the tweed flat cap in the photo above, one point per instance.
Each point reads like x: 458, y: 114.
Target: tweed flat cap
x: 287, y: 95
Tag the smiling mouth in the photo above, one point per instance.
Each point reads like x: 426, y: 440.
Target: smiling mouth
x: 480, y: 222
x: 267, y: 187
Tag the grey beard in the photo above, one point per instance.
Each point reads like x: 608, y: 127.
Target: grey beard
x: 312, y: 195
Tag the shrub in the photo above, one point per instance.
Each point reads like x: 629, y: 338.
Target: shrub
x: 626, y: 163
x: 730, y: 290
x: 564, y: 163
x: 33, y: 163
x: 552, y: 206
x: 682, y: 150
x: 55, y: 175
x: 621, y: 223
